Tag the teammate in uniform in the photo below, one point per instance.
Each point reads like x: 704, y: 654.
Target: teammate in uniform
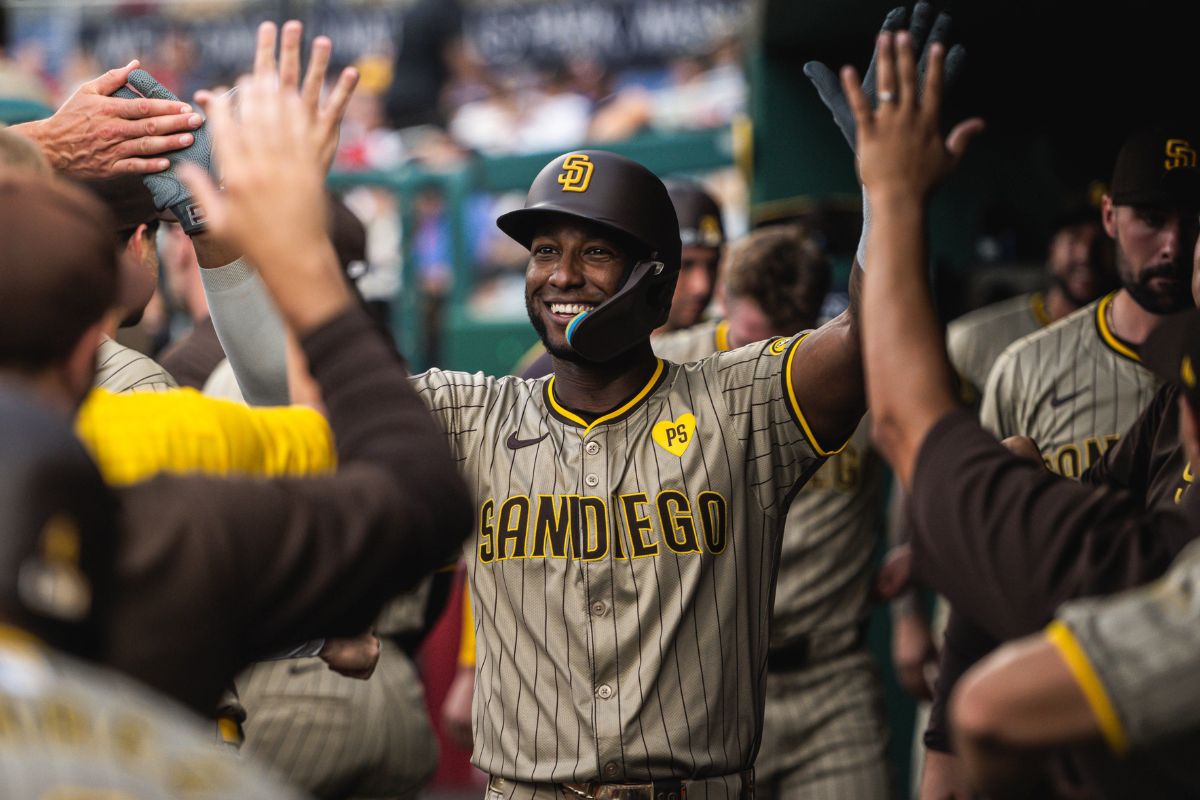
x: 1076, y: 386
x: 824, y: 733
x: 1079, y: 265
x: 73, y: 730
x: 1003, y: 538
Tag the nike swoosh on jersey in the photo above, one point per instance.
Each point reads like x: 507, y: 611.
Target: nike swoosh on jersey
x: 1056, y: 401
x: 516, y: 444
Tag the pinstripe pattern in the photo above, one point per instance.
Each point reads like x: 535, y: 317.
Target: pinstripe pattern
x: 638, y: 650
x: 338, y: 737
x: 72, y: 731
x: 121, y: 369
x: 974, y: 341
x: 824, y: 733
x: 1074, y: 388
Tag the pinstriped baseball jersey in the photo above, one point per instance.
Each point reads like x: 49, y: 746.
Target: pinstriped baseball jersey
x: 121, y: 369
x: 831, y: 527
x: 694, y: 343
x: 68, y: 730
x: 975, y: 340
x: 622, y: 569
x: 1074, y: 388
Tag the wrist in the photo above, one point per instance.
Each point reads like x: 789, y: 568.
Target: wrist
x: 896, y: 198
x: 312, y: 292
x: 36, y: 132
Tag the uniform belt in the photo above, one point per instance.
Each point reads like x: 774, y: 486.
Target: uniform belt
x: 670, y: 789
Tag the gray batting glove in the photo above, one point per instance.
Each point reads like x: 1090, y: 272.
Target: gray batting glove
x: 829, y: 86
x: 168, y: 190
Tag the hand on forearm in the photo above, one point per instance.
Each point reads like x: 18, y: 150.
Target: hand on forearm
x: 94, y: 136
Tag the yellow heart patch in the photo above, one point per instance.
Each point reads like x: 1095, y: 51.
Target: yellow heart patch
x: 674, y: 436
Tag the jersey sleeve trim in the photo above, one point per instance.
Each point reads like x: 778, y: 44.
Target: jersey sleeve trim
x: 1059, y: 635
x: 1115, y: 343
x: 721, y: 336
x: 794, y: 404
x: 567, y: 415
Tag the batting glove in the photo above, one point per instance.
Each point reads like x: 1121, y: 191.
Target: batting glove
x: 170, y: 193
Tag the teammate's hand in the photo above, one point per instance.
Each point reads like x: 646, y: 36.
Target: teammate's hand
x: 273, y: 206
x: 914, y: 655
x: 169, y: 192
x: 901, y: 152
x: 325, y: 117
x: 895, y: 573
x: 923, y: 36
x: 95, y: 136
x: 456, y: 709
x: 355, y: 657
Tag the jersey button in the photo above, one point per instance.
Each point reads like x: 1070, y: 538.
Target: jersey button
x: 592, y: 448
x: 604, y: 691
x: 598, y: 608
x: 591, y: 479
x: 610, y: 769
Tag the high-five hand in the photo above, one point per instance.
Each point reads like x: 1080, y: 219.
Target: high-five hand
x: 900, y: 147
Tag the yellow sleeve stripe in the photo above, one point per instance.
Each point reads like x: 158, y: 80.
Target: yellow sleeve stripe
x: 466, y: 642
x: 1084, y: 673
x: 795, y: 404
x: 721, y: 336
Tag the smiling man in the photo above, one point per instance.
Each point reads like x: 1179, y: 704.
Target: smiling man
x: 630, y: 509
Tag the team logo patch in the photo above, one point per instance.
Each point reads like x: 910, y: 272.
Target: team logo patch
x: 674, y: 436
x: 576, y: 174
x: 778, y: 347
x: 50, y: 582
x: 1179, y: 154
x: 1187, y: 373
x: 710, y: 231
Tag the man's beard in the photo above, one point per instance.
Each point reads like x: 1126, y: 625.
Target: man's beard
x: 563, y: 353
x: 1156, y: 301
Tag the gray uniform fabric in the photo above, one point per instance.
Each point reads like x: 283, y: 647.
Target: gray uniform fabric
x: 975, y: 340
x: 72, y: 731
x: 1144, y: 646
x: 824, y: 729
x: 121, y: 369
x: 1074, y: 388
x: 339, y: 737
x: 622, y: 571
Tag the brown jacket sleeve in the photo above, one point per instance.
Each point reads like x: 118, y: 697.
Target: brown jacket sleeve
x: 215, y: 573
x: 1006, y: 541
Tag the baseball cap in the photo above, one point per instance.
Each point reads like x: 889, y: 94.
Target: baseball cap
x: 1172, y: 351
x: 130, y: 202
x: 699, y: 216
x: 58, y: 524
x: 1157, y: 166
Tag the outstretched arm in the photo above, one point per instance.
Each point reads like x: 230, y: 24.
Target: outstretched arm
x: 902, y: 157
x: 828, y: 379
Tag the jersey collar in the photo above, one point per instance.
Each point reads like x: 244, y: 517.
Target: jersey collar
x: 1114, y: 342
x: 721, y: 336
x: 566, y: 415
x: 1037, y: 307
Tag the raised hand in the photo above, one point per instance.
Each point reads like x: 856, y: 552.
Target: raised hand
x: 924, y: 36
x: 170, y: 194
x: 900, y: 146
x: 273, y: 205
x: 94, y: 136
x: 326, y: 117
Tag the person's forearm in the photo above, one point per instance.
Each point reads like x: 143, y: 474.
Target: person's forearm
x: 908, y: 378
x: 250, y: 329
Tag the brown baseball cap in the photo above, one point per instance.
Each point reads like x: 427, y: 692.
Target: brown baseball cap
x: 1172, y: 351
x: 1157, y: 167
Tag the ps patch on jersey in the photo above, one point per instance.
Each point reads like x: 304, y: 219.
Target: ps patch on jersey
x: 674, y: 435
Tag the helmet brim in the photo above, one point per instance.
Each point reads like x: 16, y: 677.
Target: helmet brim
x: 523, y: 224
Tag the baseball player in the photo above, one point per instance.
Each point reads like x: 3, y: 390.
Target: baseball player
x: 73, y: 730
x: 824, y: 734
x: 702, y: 235
x: 1076, y: 386
x: 629, y: 509
x: 1118, y: 670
